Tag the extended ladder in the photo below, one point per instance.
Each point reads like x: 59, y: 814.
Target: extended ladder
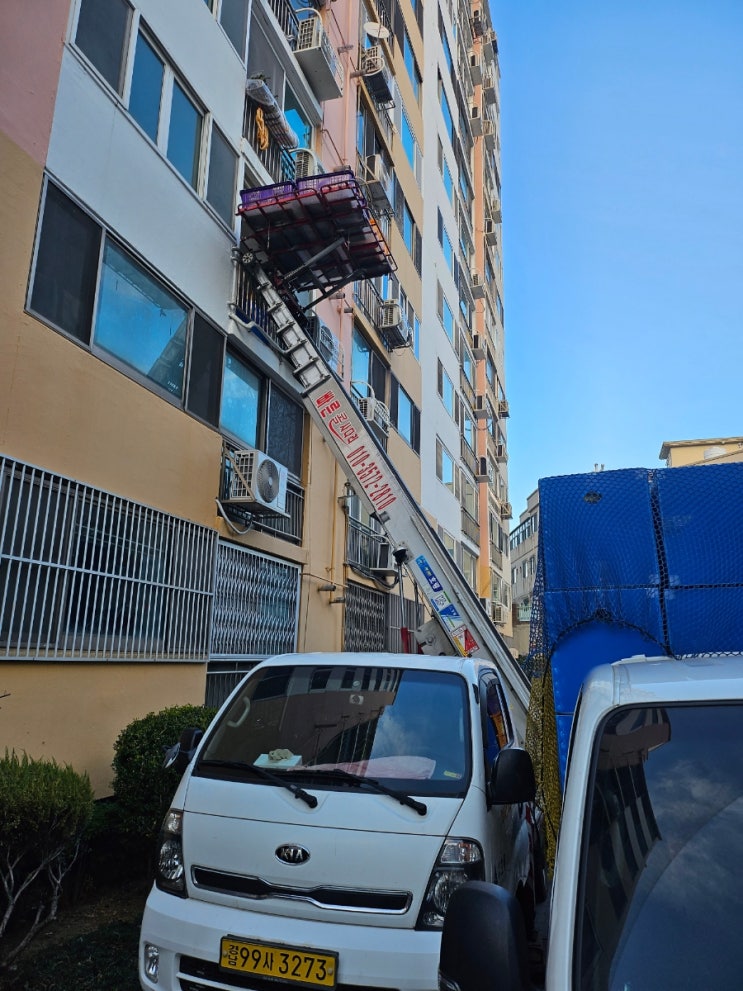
x: 465, y: 628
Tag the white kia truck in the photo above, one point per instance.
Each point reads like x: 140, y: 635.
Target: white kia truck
x: 646, y: 893
x: 326, y: 816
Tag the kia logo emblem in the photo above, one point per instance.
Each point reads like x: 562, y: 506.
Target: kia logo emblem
x: 289, y: 853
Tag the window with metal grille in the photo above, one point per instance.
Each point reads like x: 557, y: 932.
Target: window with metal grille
x: 88, y: 575
x: 365, y: 626
x: 256, y: 603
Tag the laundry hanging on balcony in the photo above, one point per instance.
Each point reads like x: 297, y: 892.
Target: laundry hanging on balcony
x: 273, y: 116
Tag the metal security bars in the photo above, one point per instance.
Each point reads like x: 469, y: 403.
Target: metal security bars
x: 256, y: 604
x: 365, y: 626
x: 87, y: 575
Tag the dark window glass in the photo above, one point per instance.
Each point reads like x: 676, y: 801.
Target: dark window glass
x: 221, y: 191
x: 66, y: 266
x: 184, y: 136
x: 147, y: 85
x: 659, y: 898
x: 101, y: 34
x: 233, y: 16
x: 140, y: 322
x: 205, y: 378
x: 285, y: 430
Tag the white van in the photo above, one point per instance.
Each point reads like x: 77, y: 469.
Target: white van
x: 326, y: 816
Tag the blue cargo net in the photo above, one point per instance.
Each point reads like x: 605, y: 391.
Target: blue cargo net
x: 636, y: 561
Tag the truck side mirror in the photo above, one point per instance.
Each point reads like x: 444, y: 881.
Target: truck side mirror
x: 483, y: 943
x: 179, y: 756
x: 512, y: 778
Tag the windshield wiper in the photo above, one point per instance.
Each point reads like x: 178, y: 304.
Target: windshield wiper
x: 358, y: 779
x: 261, y: 772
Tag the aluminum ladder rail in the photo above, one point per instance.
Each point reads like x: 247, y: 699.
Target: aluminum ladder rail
x: 466, y: 626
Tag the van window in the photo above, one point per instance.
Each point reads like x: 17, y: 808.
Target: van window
x: 665, y: 823
x: 407, y: 727
x: 496, y: 725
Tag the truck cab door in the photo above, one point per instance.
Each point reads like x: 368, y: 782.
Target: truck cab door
x: 503, y: 821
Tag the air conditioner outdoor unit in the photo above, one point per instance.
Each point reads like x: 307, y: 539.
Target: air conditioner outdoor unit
x: 391, y: 325
x: 475, y: 69
x: 477, y: 285
x: 475, y: 120
x: 481, y: 408
x: 489, y: 91
x: 477, y: 23
x: 499, y: 612
x: 257, y: 482
x: 390, y: 314
x: 478, y: 347
x: 488, y: 131
x: 329, y: 347
x: 318, y: 59
x: 503, y: 410
x: 491, y: 231
x: 501, y: 454
x: 306, y: 163
x: 386, y: 566
x: 376, y: 74
x: 374, y: 411
x: 506, y: 513
x: 378, y: 180
x: 495, y: 212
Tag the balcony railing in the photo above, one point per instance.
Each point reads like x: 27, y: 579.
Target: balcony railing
x: 363, y: 546
x: 468, y: 456
x: 288, y: 20
x: 276, y: 160
x: 470, y: 527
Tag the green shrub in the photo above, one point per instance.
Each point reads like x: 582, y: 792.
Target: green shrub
x: 44, y: 813
x: 143, y: 788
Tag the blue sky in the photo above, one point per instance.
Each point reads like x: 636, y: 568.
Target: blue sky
x: 622, y: 173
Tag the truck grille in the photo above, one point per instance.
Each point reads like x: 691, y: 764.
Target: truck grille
x: 346, y: 899
x: 194, y: 971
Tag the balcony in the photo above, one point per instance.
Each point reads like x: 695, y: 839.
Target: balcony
x: 275, y: 159
x: 468, y: 456
x: 470, y: 527
x: 365, y: 548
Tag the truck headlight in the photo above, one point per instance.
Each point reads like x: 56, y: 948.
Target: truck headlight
x: 459, y: 860
x: 170, y: 871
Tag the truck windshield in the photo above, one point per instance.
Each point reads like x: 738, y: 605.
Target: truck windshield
x: 404, y: 727
x: 662, y: 902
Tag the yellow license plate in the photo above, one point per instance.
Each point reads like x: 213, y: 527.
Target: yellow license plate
x: 284, y: 963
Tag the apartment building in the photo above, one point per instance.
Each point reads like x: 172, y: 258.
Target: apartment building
x: 524, y: 542
x: 717, y: 450
x: 142, y: 564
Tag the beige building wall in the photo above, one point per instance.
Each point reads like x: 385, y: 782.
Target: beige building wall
x: 67, y: 411
x: 717, y: 450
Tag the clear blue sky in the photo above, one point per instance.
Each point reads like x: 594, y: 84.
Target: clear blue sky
x: 622, y: 172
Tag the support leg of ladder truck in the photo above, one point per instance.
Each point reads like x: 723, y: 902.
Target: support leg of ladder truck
x: 291, y: 276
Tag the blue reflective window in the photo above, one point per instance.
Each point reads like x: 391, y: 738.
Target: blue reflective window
x: 241, y: 395
x: 184, y: 136
x: 140, y: 322
x: 147, y: 86
x: 408, y: 141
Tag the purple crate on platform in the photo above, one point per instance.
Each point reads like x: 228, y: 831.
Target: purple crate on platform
x: 264, y: 194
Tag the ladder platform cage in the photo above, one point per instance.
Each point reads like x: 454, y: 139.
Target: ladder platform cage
x: 316, y: 232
